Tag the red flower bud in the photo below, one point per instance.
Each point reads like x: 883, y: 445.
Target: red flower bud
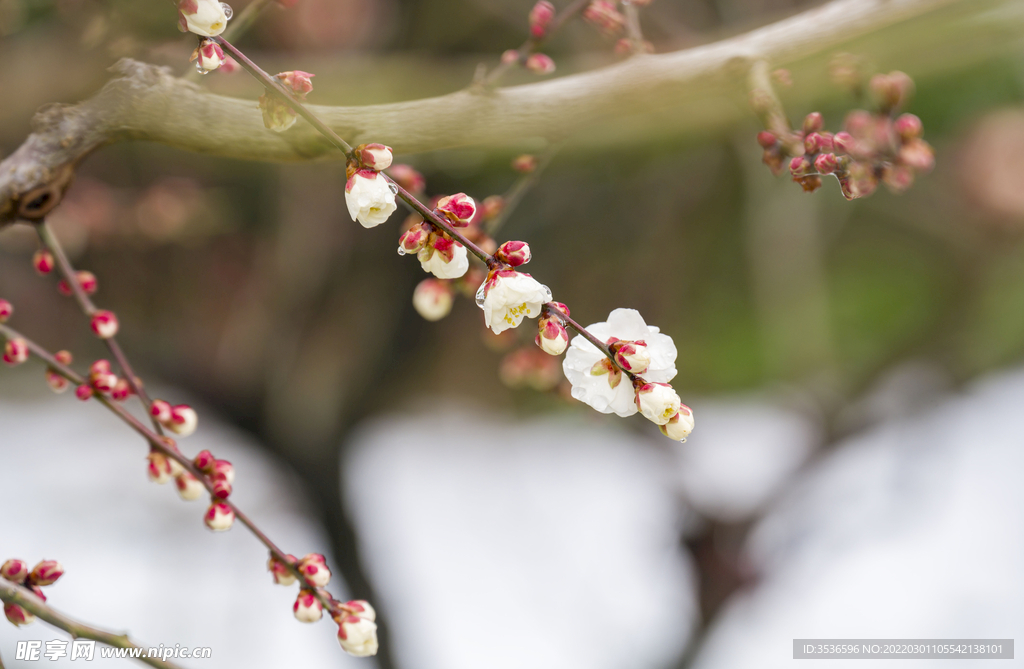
x: 46, y: 573
x: 15, y: 351
x: 514, y: 253
x: 104, y: 324
x: 43, y: 262
x: 6, y: 310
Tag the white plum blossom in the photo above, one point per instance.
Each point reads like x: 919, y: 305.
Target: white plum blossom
x: 679, y: 427
x: 369, y: 198
x: 358, y: 636
x: 509, y: 297
x: 591, y: 375
x: 658, y: 402
x: 432, y: 299
x: 202, y: 17
x: 444, y: 258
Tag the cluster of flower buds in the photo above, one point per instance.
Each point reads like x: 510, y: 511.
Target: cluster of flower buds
x: 208, y: 56
x: 552, y: 337
x: 101, y: 380
x: 220, y: 516
x: 605, y: 16
x: 368, y: 195
x: 408, y: 178
x: 277, y: 115
x: 872, y: 148
x: 540, y: 18
x: 207, y: 18
x: 181, y: 419
x: 86, y: 280
x: 16, y: 571
x: 437, y: 252
x: 357, y: 628
x: 54, y: 379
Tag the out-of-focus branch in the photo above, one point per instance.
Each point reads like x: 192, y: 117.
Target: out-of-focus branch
x: 644, y: 96
x: 12, y: 593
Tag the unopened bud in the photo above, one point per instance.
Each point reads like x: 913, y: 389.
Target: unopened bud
x: 551, y: 336
x: 658, y: 402
x: 208, y: 56
x: 633, y: 356
x: 219, y: 517
x: 433, y: 299
x: 358, y: 636
x: 514, y: 253
x: 160, y: 410
x: 540, y: 17
x: 46, y: 573
x: 524, y: 164
x: 917, y: 154
x: 314, y: 568
x: 15, y: 351
x: 189, y: 487
x: 413, y: 239
x: 183, y: 420
x: 909, y: 126
x: 6, y: 310
x: 800, y: 166
x: 17, y: 615
x: 121, y: 391
x: 87, y: 281
x: 892, y: 90
x: 459, y: 209
x: 492, y: 207
x: 678, y: 428
x: 158, y: 468
x: 104, y: 324
x: 540, y: 63
x: 226, y: 469
x: 15, y: 571
x: 83, y: 392
x: 843, y: 142
x: 603, y: 15
x: 103, y: 382
x: 307, y: 607
x: 298, y: 82
x: 766, y: 139
x: 375, y: 157
x: 205, y: 462
x: 281, y: 573
x: 826, y: 163
x: 221, y: 487
x: 64, y: 357
x: 510, y: 56
x: 57, y: 383
x: 360, y: 608
x: 43, y: 262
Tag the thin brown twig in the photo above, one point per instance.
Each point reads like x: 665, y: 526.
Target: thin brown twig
x: 12, y: 593
x: 531, y: 44
x: 51, y: 242
x: 167, y: 446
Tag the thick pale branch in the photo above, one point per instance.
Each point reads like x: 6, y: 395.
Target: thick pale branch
x: 700, y: 88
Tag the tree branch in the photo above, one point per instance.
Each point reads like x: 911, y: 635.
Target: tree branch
x: 643, y: 97
x: 11, y: 593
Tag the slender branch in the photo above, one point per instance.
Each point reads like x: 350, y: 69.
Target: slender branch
x: 51, y: 242
x: 642, y: 99
x: 166, y: 446
x: 12, y: 593
x: 531, y: 44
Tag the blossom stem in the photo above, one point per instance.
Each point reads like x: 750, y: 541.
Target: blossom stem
x: 531, y: 43
x: 51, y: 242
x: 166, y: 446
x: 12, y: 593
x: 769, y: 108
x: 583, y: 332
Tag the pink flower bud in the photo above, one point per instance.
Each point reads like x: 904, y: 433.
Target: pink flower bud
x: 208, y: 56
x: 658, y: 402
x: 307, y: 607
x: 100, y: 367
x: 540, y: 17
x: 678, y: 428
x: 189, y: 487
x: 603, y: 15
x: 46, y: 573
x: 15, y: 571
x: 633, y: 356
x: 826, y: 163
x: 843, y: 143
x: 221, y: 487
x: 800, y: 166
x: 766, y: 139
x: 298, y: 82
x: 56, y: 382
x: 552, y: 337
x: 43, y: 262
x: 6, y: 310
x: 909, y: 126
x: 17, y: 615
x: 102, y: 382
x: 514, y: 253
x: 219, y: 517
x: 918, y: 154
x: 161, y: 411
x: 121, y: 391
x: 414, y: 239
x: 459, y: 209
x: 358, y: 636
x: 281, y: 573
x: 492, y: 207
x: 509, y: 57
x: 63, y: 357
x: 540, y: 63
x: 183, y: 420
x: 815, y: 142
x: 314, y: 568
x: 524, y: 164
x: 230, y: 66
x: 205, y: 462
x: 87, y: 280
x: 374, y: 156
x: 104, y: 324
x: 813, y: 122
x: 15, y: 351
x: 891, y: 90
x: 83, y: 392
x: 158, y: 468
x: 408, y: 178
x: 225, y: 469
x: 433, y: 299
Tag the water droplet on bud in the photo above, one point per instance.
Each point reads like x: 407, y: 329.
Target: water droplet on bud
x: 200, y: 69
x: 228, y: 12
x: 480, y: 295
x: 401, y: 251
